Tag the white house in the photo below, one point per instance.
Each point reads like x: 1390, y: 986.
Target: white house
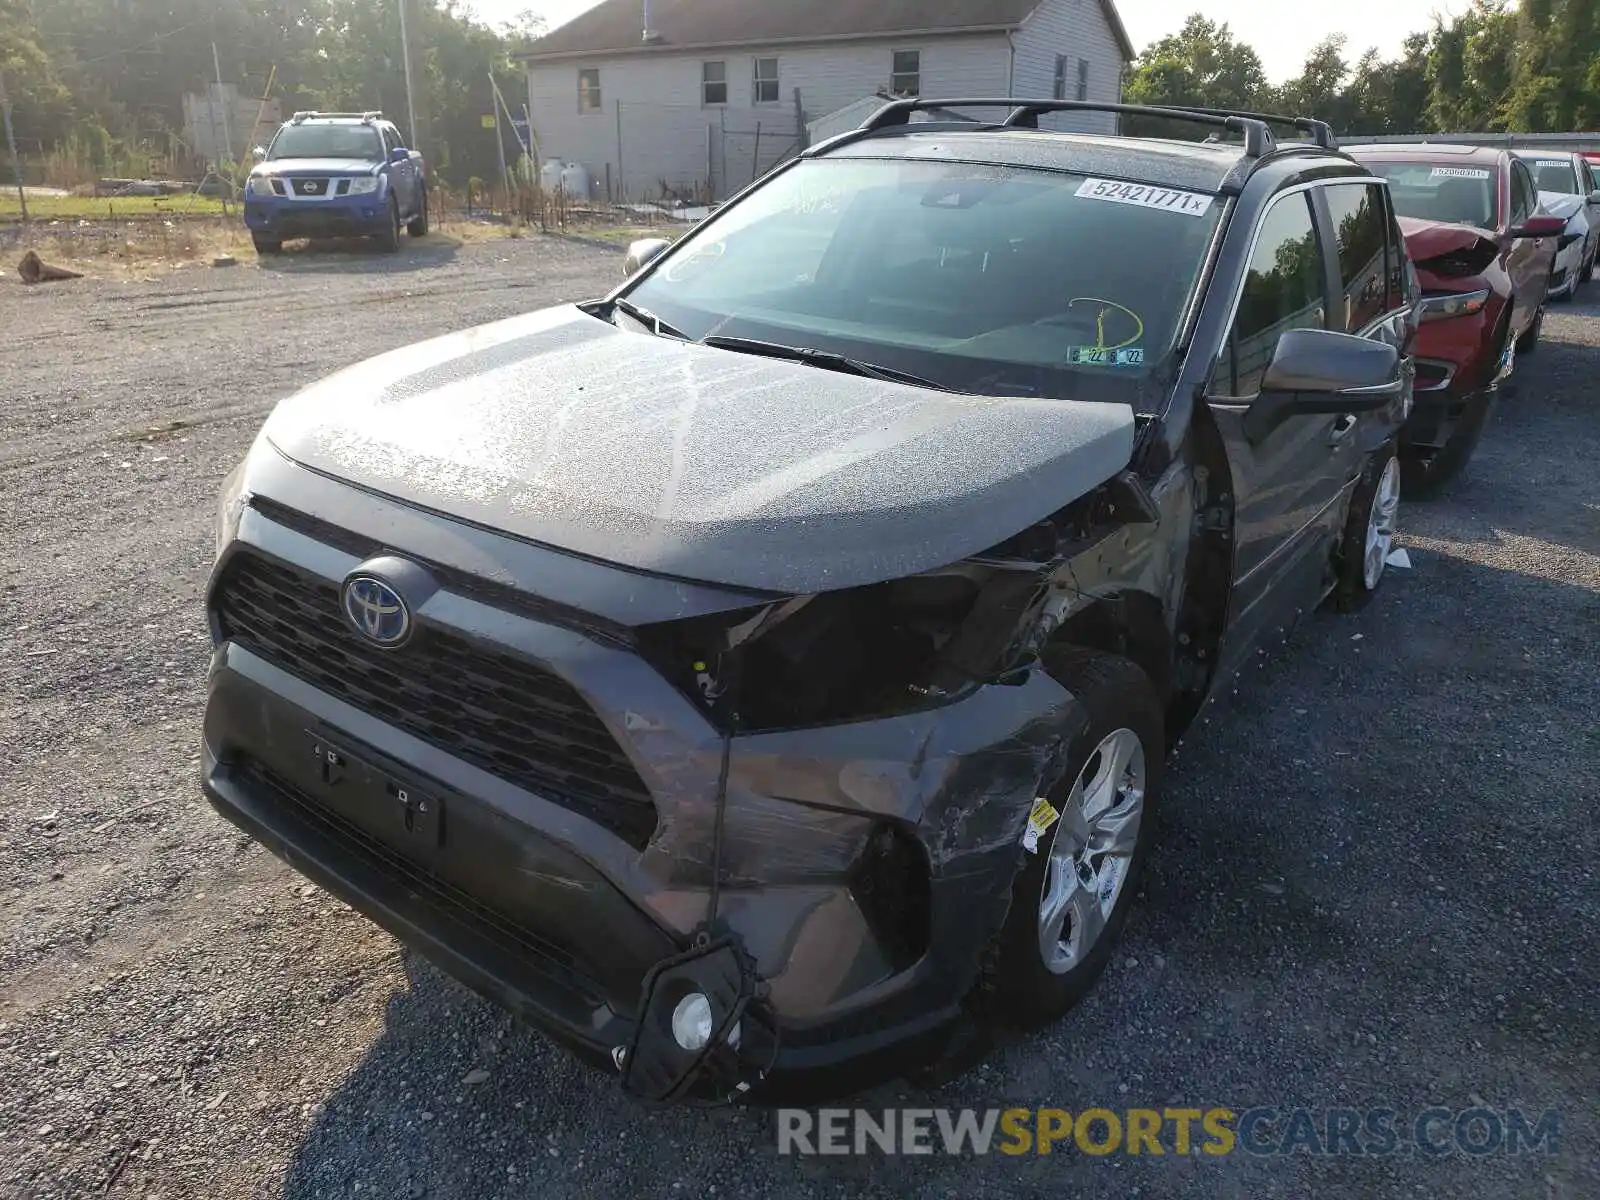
x: 700, y: 96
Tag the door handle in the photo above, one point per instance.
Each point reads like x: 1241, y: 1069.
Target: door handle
x: 1342, y: 428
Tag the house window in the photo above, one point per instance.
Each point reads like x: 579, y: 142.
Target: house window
x: 589, y: 90
x: 905, y: 77
x: 714, y: 83
x: 1083, y: 79
x: 1060, y: 92
x: 766, y: 83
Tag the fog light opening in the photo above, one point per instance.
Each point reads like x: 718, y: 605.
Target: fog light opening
x: 693, y: 1021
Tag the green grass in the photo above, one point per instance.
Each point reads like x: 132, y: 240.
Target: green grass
x: 92, y: 208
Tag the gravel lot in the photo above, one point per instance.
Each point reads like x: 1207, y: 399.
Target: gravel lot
x: 1376, y: 882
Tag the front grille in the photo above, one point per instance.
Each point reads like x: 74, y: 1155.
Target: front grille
x: 487, y: 707
x: 443, y: 897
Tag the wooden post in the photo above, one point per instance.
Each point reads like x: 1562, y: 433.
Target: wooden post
x: 622, y: 177
x: 755, y: 158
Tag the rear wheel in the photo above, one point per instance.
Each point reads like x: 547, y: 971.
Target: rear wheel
x: 1368, y: 531
x: 267, y: 245
x: 1072, y: 896
x: 1529, y: 341
x: 419, y: 225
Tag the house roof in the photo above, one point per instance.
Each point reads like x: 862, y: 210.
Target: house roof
x: 617, y: 26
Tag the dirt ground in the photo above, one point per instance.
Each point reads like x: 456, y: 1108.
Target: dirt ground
x: 1375, y: 882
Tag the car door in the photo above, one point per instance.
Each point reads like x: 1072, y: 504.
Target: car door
x: 1528, y: 260
x: 1591, y: 208
x: 400, y: 173
x: 1288, y: 483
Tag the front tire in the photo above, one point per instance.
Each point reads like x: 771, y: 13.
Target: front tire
x: 266, y: 245
x: 1363, y: 554
x: 419, y: 226
x: 1071, y: 898
x: 1529, y: 341
x: 1422, y: 478
x: 389, y: 240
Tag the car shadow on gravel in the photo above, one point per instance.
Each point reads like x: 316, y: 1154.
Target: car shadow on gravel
x: 360, y: 256
x: 1368, y: 888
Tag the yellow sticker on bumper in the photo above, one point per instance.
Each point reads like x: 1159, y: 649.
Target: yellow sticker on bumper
x: 1039, y: 821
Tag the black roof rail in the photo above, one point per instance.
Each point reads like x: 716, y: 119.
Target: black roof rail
x: 1321, y: 132
x: 1024, y: 114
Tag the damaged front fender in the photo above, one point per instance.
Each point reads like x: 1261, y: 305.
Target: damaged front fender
x: 803, y: 807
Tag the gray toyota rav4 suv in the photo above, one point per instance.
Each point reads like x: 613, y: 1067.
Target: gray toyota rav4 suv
x: 760, y: 679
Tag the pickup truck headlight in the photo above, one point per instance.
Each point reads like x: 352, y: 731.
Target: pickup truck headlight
x: 259, y: 185
x: 1453, y: 304
x: 363, y: 185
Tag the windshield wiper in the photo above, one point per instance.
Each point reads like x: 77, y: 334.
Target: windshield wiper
x: 645, y: 317
x: 825, y: 359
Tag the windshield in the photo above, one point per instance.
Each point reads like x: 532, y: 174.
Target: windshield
x: 1441, y: 192
x: 327, y: 141
x: 1553, y: 175
x: 985, y: 279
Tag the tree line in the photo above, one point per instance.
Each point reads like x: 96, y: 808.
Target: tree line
x: 1532, y: 68
x: 107, y: 77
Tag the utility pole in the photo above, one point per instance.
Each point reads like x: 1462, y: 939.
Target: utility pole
x: 11, y: 140
x: 222, y: 98
x: 405, y: 53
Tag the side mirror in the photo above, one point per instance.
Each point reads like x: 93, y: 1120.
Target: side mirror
x: 1319, y: 371
x: 1539, y: 227
x: 642, y: 253
x: 260, y: 152
x: 1594, y: 196
x: 399, y: 155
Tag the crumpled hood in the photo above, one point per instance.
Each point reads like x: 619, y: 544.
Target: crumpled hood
x: 316, y: 166
x: 705, y: 464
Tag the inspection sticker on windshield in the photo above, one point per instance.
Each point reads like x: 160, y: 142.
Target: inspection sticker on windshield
x: 1039, y: 822
x: 1190, y: 204
x: 1099, y: 356
x: 1460, y: 173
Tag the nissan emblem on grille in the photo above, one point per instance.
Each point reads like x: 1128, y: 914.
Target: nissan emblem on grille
x: 376, y: 610
x: 310, y: 187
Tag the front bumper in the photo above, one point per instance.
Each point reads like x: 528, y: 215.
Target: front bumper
x: 560, y: 919
x: 353, y: 217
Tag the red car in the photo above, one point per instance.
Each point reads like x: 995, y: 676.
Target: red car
x: 1483, y: 253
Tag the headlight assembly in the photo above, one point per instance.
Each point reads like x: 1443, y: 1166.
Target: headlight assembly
x: 231, y: 504
x: 1453, y: 304
x: 363, y: 185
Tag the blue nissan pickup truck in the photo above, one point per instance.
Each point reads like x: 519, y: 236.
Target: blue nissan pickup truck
x: 336, y: 175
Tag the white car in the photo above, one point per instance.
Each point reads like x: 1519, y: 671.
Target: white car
x: 1567, y: 188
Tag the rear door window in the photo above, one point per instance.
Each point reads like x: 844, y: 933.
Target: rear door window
x: 1358, y: 223
x: 1285, y: 288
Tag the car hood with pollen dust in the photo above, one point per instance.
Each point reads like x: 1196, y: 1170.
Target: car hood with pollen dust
x: 672, y: 457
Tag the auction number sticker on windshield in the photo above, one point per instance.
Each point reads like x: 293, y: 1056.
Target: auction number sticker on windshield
x: 1460, y: 173
x: 1190, y: 204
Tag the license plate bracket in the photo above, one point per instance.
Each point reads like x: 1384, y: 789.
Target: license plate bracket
x: 368, y: 793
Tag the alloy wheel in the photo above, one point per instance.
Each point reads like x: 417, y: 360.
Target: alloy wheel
x: 1093, y: 850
